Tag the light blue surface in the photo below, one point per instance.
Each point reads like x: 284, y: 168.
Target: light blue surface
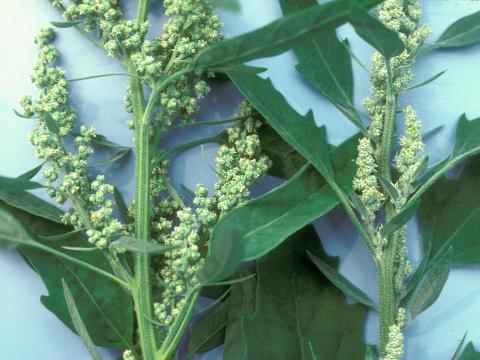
x: 28, y: 331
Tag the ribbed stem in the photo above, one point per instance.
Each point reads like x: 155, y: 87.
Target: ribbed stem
x: 386, y: 265
x: 142, y: 287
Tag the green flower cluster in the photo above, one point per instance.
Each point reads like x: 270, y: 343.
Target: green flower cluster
x: 67, y: 176
x: 191, y: 27
x: 403, y: 17
x: 365, y: 181
x: 180, y: 266
x: 239, y: 163
x: 408, y: 160
x: 119, y: 37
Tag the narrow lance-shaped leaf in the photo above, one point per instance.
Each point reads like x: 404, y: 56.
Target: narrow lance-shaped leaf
x: 16, y: 184
x: 400, y: 219
x: 463, y: 32
x: 115, y: 157
x: 28, y: 175
x: 278, y: 36
x: 12, y: 231
x: 342, y: 282
x: 25, y: 201
x: 139, y: 246
x: 78, y: 323
x: 460, y: 348
x: 66, y: 24
x: 430, y: 289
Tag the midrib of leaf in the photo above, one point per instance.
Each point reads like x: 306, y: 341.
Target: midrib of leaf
x: 459, y: 36
x: 286, y: 214
x: 279, y: 42
x: 87, y: 291
x: 450, y: 239
x: 331, y: 73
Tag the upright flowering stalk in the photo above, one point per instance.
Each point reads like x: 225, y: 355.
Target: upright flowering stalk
x: 383, y: 195
x: 163, y: 307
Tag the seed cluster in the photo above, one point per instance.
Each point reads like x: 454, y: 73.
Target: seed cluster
x: 67, y: 175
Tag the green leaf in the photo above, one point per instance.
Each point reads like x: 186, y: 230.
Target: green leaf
x: 31, y: 204
x: 430, y: 289
x: 12, y: 231
x: 239, y: 68
x: 115, y: 157
x: 231, y: 5
x: 51, y: 124
x: 463, y: 32
x: 469, y: 353
x: 323, y: 60
x: 276, y: 37
x: 21, y: 115
x: 139, y: 246
x: 103, y: 141
x: 400, y: 220
x: 426, y: 82
x: 67, y: 235
x: 460, y: 348
x: 301, y: 132
x: 450, y: 216
x: 28, y: 175
x: 373, y: 31
x: 387, y: 186
x: 107, y: 310
x: 371, y: 352
x: 209, y: 332
x: 253, y: 229
x: 289, y: 307
x: 286, y: 161
x: 66, y: 24
x: 78, y: 323
x: 122, y: 206
x: 342, y: 282
x: 16, y: 184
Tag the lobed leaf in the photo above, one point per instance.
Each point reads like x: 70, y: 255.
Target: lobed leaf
x: 374, y: 32
x: 324, y: 61
x: 305, y: 314
x: 255, y: 228
x: 278, y: 36
x: 107, y: 310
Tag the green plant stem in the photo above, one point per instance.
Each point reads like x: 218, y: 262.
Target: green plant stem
x: 386, y: 264
x: 177, y: 329
x: 142, y: 287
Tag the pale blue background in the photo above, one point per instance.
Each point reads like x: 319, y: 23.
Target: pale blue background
x: 28, y: 331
